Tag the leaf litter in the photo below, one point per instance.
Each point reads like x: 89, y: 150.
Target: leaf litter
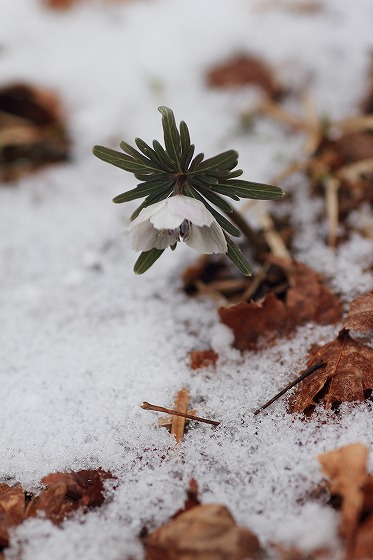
x: 77, y: 324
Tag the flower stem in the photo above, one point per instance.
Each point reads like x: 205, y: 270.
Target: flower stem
x: 252, y: 236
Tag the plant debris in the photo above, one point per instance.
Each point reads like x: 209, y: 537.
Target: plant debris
x: 303, y: 298
x: 203, y: 358
x: 63, y: 495
x: 242, y: 70
x: 32, y: 130
x: 202, y: 532
x: 346, y: 471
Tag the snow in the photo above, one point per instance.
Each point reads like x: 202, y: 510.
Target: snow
x: 84, y: 341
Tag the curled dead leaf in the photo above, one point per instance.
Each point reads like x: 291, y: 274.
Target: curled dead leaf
x: 12, y: 505
x: 202, y: 358
x: 307, y: 299
x: 347, y: 376
x: 242, y: 70
x: 32, y: 130
x: 360, y: 315
x: 205, y: 532
x: 346, y: 470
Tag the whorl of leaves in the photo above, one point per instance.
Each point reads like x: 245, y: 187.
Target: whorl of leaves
x: 172, y: 168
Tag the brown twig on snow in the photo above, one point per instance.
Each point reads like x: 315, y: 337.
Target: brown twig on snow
x: 147, y: 406
x: 308, y: 372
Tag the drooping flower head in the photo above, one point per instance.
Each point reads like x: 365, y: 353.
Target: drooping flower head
x: 179, y: 191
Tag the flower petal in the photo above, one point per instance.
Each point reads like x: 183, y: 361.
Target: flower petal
x: 166, y: 218
x: 207, y: 240
x: 144, y: 236
x: 191, y: 209
x: 146, y: 214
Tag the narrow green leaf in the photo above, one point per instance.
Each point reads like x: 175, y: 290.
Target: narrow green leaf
x: 225, y: 191
x: 184, y: 137
x: 163, y: 156
x: 258, y: 191
x: 144, y: 189
x: 223, y: 174
x: 225, y: 160
x: 173, y: 247
x: 134, y: 153
x: 187, y: 158
x: 146, y: 260
x: 171, y: 134
x: 223, y: 222
x: 120, y: 160
x: 197, y: 160
x: 215, y: 199
x: 150, y: 153
x: 236, y: 256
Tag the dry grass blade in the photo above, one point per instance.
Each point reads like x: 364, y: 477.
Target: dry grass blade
x: 332, y: 208
x: 147, y: 406
x: 178, y: 422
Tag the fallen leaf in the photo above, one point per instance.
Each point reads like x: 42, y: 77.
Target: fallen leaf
x: 192, y: 499
x: 308, y: 299
x: 205, y: 532
x: 363, y: 547
x: 346, y: 470
x: 32, y: 130
x: 67, y: 492
x: 360, y: 315
x: 202, y: 358
x: 347, y: 376
x: 12, y: 505
x: 292, y: 553
x: 242, y: 70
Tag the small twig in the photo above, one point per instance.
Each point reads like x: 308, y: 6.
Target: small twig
x: 308, y: 372
x: 147, y: 406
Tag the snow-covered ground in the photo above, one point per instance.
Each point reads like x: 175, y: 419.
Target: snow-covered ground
x: 84, y: 341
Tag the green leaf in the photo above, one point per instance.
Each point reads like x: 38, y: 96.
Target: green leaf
x: 120, y: 160
x: 225, y: 191
x: 215, y: 199
x: 187, y: 158
x: 146, y: 260
x: 150, y: 153
x: 184, y: 137
x: 163, y: 156
x: 197, y: 160
x: 173, y: 247
x: 144, y: 189
x: 225, y: 224
x: 133, y: 152
x: 258, y: 191
x: 171, y: 134
x: 225, y: 160
x: 236, y: 256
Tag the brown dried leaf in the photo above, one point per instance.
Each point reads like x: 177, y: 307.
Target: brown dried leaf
x: 307, y: 300
x: 347, y: 474
x: 32, y: 130
x: 291, y: 553
x: 12, y: 505
x: 192, y: 499
x: 67, y: 492
x: 347, y: 376
x: 243, y: 70
x: 203, y: 358
x: 360, y: 316
x: 363, y: 548
x: 205, y: 532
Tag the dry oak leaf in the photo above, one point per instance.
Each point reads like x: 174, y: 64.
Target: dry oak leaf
x: 308, y: 299
x: 346, y: 469
x: 12, y: 505
x: 360, y: 316
x: 347, y: 375
x: 203, y: 358
x: 67, y: 492
x: 205, y: 532
x: 242, y: 70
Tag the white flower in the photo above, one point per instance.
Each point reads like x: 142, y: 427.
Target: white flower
x: 177, y: 218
